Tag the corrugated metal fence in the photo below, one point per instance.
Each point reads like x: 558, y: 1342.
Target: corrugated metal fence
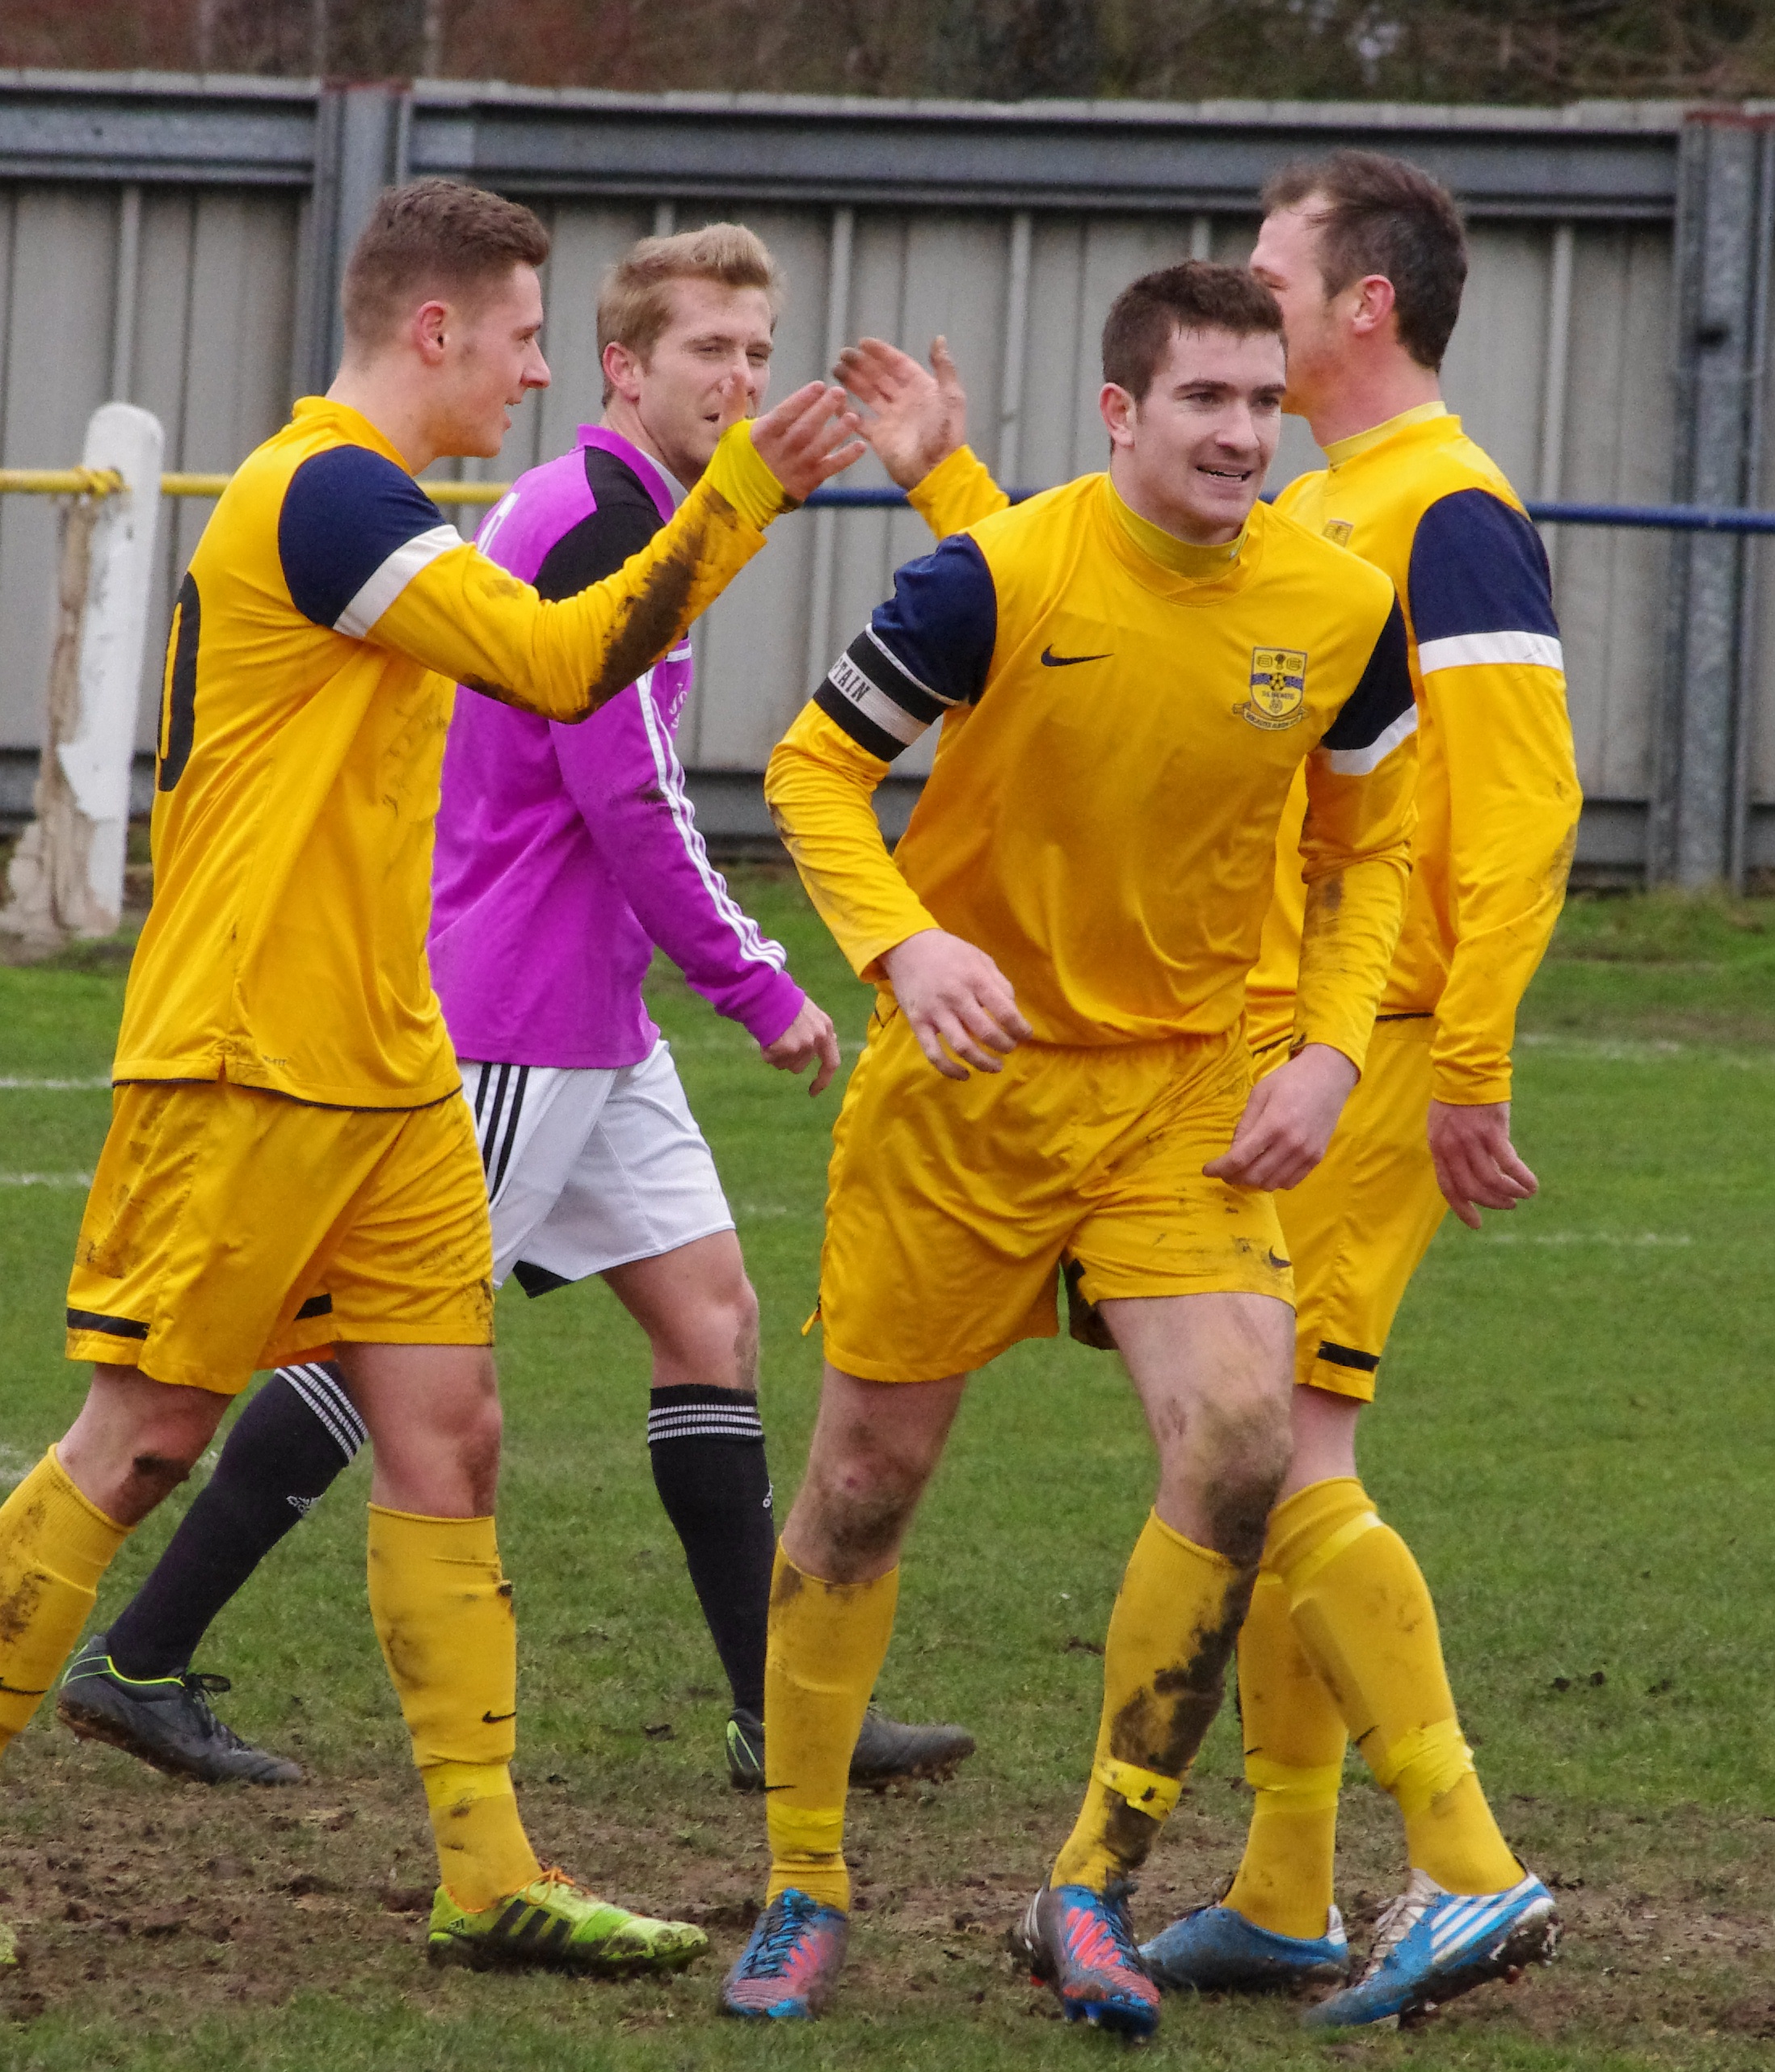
x: 175, y: 242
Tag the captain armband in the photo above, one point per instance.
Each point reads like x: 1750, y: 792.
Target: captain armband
x: 872, y: 695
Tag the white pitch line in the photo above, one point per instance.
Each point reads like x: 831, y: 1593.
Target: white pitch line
x: 53, y: 1086
x: 46, y: 1179
x: 1625, y: 1239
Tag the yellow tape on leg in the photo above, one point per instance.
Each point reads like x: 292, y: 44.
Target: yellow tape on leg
x: 1145, y: 1790
x: 1295, y: 1791
x: 1420, y: 1767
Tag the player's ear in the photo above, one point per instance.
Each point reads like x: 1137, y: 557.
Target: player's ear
x: 429, y: 329
x: 1118, y: 410
x: 623, y: 370
x: 1374, y: 304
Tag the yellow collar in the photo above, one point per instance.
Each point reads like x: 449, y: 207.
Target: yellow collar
x: 356, y: 427
x: 1341, y: 450
x: 1175, y: 557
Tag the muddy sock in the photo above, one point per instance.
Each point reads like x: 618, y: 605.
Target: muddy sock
x: 286, y: 1448
x: 1170, y: 1633
x: 1294, y: 1741
x: 707, y: 1446
x: 1362, y: 1611
x: 55, y: 1545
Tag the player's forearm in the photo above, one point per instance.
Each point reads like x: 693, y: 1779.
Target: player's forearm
x: 1355, y: 859
x: 958, y: 491
x: 1351, y: 931
x: 820, y: 787
x: 1505, y: 925
x: 623, y: 775
x: 467, y: 618
x: 1514, y: 802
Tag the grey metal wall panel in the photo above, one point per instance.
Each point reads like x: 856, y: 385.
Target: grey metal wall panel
x: 60, y: 263
x: 930, y: 195
x: 1617, y: 450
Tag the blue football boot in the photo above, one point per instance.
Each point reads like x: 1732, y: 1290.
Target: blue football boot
x: 788, y: 1969
x: 1216, y: 1950
x: 1080, y: 1943
x: 1431, y: 1945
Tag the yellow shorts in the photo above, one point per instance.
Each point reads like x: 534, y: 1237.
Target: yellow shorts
x: 1362, y: 1219
x: 229, y: 1230
x: 951, y: 1204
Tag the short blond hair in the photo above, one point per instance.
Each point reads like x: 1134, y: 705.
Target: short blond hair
x: 634, y: 299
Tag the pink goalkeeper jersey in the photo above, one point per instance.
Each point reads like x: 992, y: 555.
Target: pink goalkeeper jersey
x: 565, y: 853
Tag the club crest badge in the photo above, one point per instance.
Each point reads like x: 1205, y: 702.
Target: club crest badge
x: 1278, y: 692
x: 1338, y: 531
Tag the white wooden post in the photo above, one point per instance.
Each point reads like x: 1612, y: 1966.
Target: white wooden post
x: 67, y: 874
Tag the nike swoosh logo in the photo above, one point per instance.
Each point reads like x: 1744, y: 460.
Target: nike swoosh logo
x: 1050, y: 660
x: 1280, y: 1264
x: 494, y: 1719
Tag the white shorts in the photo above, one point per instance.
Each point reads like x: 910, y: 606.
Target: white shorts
x: 587, y: 1170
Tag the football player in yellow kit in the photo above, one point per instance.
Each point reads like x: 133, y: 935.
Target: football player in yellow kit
x: 1129, y: 671
x: 1367, y: 257
x: 289, y: 1160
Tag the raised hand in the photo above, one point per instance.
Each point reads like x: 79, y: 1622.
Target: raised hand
x: 917, y: 418
x: 810, y: 1039
x: 806, y: 439
x: 954, y: 994
x: 1288, y: 1121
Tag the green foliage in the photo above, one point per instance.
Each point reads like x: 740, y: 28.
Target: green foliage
x: 1524, y: 51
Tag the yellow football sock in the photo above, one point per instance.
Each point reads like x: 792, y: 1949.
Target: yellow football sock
x: 54, y: 1546
x: 1362, y: 1610
x: 1174, y: 1625
x: 1294, y: 1742
x: 442, y: 1613
x: 827, y: 1643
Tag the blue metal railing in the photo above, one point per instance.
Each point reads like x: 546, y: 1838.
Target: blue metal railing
x: 1660, y: 517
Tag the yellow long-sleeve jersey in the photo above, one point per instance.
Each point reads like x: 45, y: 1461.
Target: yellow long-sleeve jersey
x: 329, y: 613
x: 1122, y: 717
x: 1497, y: 794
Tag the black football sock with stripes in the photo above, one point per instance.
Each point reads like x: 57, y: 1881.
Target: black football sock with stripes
x: 285, y: 1451
x: 707, y: 1446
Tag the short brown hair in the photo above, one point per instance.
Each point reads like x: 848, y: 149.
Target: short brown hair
x: 1197, y: 296
x: 634, y: 298
x: 434, y: 235
x: 1374, y: 214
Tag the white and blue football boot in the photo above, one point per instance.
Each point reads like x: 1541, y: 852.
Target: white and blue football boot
x: 1431, y: 1945
x: 1215, y: 1949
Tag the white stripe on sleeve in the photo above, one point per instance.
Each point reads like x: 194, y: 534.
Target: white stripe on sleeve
x: 753, y: 946
x: 393, y: 577
x: 1470, y: 651
x: 1358, y: 762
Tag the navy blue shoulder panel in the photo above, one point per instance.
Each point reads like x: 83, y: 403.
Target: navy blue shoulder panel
x: 942, y: 620
x: 1370, y: 714
x: 346, y: 510
x: 925, y: 650
x: 1477, y: 565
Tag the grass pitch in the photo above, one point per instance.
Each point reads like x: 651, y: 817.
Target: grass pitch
x: 1574, y: 1434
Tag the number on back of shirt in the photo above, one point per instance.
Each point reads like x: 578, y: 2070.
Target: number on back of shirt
x: 178, y: 695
